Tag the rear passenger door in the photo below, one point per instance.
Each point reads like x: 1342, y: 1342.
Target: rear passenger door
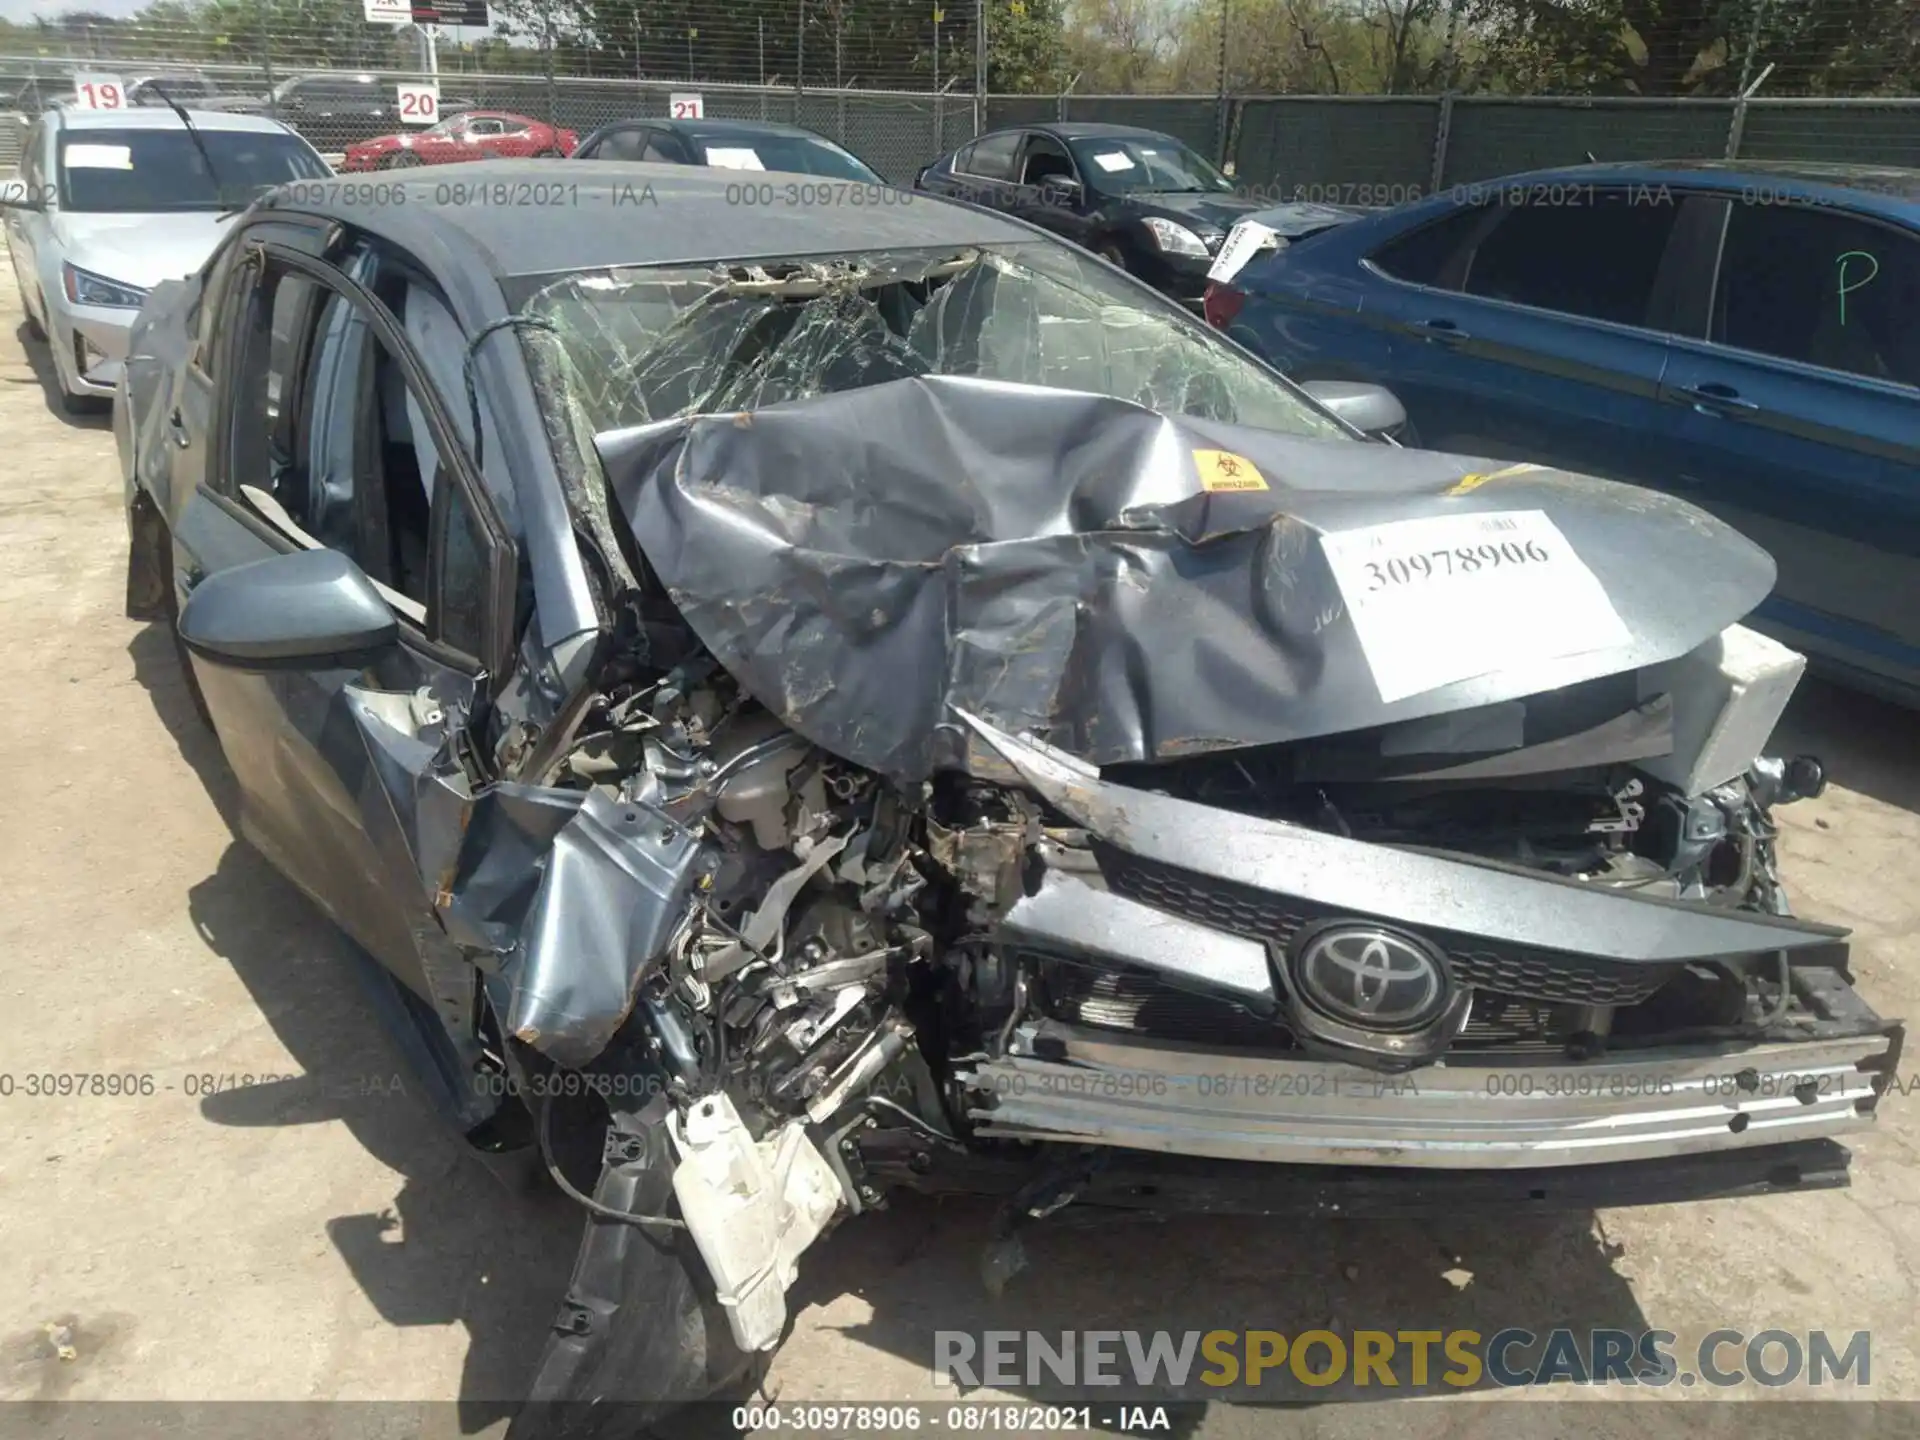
x: 983, y: 172
x: 1796, y: 392
x: 1533, y: 330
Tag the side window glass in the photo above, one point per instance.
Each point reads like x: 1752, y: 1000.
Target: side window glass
x: 622, y: 145
x: 1046, y: 159
x: 273, y: 316
x: 1822, y: 288
x: 1420, y: 255
x: 371, y: 469
x: 215, y: 278
x: 461, y: 587
x: 1597, y: 255
x: 992, y: 156
x: 660, y: 148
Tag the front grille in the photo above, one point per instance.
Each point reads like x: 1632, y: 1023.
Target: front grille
x: 1274, y: 918
x: 1140, y: 1003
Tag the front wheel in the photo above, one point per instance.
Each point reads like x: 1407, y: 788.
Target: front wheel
x: 35, y: 330
x: 640, y: 1334
x: 1110, y: 251
x: 405, y: 160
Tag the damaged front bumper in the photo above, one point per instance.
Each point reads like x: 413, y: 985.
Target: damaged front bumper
x: 1296, y: 997
x: 1471, y: 1112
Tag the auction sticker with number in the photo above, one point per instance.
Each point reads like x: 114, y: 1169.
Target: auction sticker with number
x: 1448, y: 598
x: 1244, y: 241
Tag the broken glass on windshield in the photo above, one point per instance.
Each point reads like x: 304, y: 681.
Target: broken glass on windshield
x: 640, y: 345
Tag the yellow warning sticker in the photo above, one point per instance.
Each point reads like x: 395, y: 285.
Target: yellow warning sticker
x: 1468, y: 483
x: 1224, y: 470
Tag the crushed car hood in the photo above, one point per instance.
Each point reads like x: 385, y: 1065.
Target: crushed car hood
x: 1131, y: 586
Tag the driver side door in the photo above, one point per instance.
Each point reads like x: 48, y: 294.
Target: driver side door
x: 330, y: 434
x: 1039, y: 198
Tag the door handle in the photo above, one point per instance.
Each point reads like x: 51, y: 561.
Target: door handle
x: 177, y: 425
x: 1440, y: 332
x: 1715, y: 399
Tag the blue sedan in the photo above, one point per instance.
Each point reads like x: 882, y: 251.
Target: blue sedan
x: 1747, y: 336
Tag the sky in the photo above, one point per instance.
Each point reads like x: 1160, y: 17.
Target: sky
x: 19, y: 10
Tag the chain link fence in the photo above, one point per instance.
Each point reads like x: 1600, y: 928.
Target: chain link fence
x: 1365, y: 148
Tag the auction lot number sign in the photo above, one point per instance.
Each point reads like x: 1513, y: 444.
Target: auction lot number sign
x: 419, y: 104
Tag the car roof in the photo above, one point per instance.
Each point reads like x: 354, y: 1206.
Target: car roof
x: 158, y: 117
x: 1095, y: 130
x: 496, y: 115
x: 727, y: 127
x: 1885, y: 188
x: 693, y: 218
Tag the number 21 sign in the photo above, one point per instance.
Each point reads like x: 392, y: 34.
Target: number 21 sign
x: 686, y: 106
x: 419, y: 104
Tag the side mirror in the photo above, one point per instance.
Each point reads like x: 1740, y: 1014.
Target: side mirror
x: 1370, y: 409
x: 311, y: 605
x: 1061, y: 190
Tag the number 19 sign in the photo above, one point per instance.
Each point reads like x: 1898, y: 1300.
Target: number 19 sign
x: 99, y: 92
x: 419, y: 104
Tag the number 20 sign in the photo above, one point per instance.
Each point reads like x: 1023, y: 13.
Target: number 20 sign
x: 419, y: 104
x: 99, y: 92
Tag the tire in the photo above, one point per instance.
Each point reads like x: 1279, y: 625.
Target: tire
x: 405, y: 160
x: 647, y: 1335
x: 1110, y: 251
x: 547, y: 155
x: 35, y: 330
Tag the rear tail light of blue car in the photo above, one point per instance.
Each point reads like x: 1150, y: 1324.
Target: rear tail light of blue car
x: 1221, y: 304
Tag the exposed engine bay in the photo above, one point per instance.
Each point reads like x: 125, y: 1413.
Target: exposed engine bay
x: 847, y: 955
x: 895, y: 862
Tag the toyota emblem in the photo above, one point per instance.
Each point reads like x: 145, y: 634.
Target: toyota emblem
x: 1371, y: 977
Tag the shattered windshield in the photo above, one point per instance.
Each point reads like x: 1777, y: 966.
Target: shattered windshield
x: 643, y: 345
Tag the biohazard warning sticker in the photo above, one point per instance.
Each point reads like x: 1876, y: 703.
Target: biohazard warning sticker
x: 1224, y: 470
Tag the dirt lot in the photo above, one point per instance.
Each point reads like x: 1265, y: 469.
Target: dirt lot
x: 317, y: 1237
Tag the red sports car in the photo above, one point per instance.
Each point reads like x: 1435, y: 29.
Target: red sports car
x: 470, y: 135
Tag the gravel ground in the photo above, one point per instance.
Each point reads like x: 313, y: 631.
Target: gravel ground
x: 314, y: 1236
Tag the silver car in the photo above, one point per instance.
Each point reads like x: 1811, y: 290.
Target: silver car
x: 108, y: 204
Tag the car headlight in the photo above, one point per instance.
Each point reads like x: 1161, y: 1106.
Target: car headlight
x: 1175, y: 239
x: 83, y: 287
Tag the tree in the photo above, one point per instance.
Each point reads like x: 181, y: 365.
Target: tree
x: 1695, y: 47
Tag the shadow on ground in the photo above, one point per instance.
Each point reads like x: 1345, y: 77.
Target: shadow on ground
x: 40, y: 358
x: 461, y: 1246
x: 463, y: 1243
x: 1868, y: 745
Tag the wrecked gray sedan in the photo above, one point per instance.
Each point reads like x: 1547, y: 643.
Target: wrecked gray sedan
x: 819, y: 701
